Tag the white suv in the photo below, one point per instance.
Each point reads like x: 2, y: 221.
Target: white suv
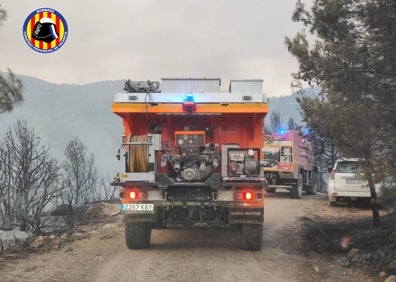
x: 345, y: 183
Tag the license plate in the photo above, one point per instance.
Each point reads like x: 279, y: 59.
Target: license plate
x: 352, y: 181
x: 138, y: 208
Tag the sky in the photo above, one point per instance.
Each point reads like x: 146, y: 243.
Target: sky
x: 151, y: 39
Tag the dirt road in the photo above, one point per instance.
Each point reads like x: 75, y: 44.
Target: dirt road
x: 191, y: 255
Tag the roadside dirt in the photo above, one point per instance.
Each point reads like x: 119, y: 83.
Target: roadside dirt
x: 96, y: 251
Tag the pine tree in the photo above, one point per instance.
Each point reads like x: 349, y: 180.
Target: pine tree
x: 354, y: 63
x: 11, y: 87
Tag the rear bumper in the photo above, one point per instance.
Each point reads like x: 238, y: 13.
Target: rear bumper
x: 186, y: 205
x: 170, y: 214
x: 335, y: 195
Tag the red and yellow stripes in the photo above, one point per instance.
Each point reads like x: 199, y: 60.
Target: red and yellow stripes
x: 60, y: 29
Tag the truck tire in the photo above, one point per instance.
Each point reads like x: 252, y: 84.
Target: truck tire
x: 297, y: 190
x: 270, y: 190
x: 312, y: 190
x: 332, y: 204
x: 137, y: 235
x: 251, y: 237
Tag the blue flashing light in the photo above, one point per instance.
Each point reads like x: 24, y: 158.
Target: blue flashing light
x: 189, y: 104
x: 188, y: 98
x: 307, y: 131
x: 281, y: 131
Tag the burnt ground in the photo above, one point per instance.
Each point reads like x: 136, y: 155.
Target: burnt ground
x: 350, y: 238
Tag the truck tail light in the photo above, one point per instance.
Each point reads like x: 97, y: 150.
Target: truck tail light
x: 247, y: 196
x: 332, y: 174
x: 133, y: 194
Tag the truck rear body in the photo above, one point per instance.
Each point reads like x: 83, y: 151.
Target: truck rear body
x: 192, y: 158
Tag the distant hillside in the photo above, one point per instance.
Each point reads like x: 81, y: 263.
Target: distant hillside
x: 58, y: 112
x: 287, y: 106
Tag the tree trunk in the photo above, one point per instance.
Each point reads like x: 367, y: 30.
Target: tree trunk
x: 376, y: 216
x: 374, y: 204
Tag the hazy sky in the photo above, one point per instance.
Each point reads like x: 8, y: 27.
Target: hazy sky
x: 150, y: 39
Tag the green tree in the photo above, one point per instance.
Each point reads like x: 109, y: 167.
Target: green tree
x: 3, y: 15
x: 353, y: 60
x: 10, y: 87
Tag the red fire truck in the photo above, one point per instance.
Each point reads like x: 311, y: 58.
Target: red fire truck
x: 192, y: 157
x: 289, y: 164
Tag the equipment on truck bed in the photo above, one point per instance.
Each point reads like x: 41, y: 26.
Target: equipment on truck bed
x: 141, y: 86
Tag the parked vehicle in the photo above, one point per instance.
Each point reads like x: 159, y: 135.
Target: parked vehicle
x: 346, y: 183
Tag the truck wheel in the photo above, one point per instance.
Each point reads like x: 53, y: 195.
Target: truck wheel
x: 296, y: 191
x: 270, y: 190
x: 251, y: 237
x: 312, y: 190
x: 137, y: 235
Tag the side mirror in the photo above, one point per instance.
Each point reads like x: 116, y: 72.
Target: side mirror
x: 330, y: 169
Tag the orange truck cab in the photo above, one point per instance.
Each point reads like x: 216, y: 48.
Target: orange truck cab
x: 192, y: 157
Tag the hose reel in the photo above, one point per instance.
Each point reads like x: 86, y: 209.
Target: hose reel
x: 138, y: 153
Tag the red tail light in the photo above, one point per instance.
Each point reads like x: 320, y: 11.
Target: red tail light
x: 133, y: 194
x: 247, y: 196
x: 332, y: 174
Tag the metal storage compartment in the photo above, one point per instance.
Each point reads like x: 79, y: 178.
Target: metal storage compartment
x: 190, y: 85
x: 246, y: 86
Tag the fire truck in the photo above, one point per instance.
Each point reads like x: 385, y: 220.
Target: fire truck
x: 289, y: 164
x: 192, y: 157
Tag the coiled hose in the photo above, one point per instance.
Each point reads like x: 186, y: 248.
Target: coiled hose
x: 138, y: 154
